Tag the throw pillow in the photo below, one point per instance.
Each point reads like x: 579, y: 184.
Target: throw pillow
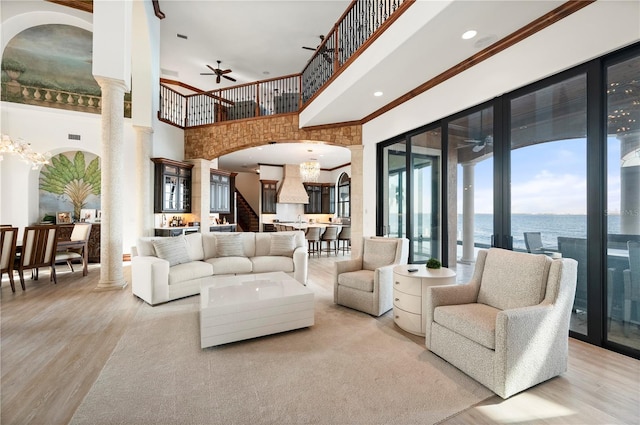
x: 378, y: 252
x: 283, y: 245
x: 229, y: 245
x: 172, y: 249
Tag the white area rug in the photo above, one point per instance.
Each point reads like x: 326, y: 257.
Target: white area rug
x: 349, y: 368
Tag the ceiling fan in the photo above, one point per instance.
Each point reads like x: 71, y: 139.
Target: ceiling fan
x: 218, y: 73
x: 479, y: 144
x: 323, y: 50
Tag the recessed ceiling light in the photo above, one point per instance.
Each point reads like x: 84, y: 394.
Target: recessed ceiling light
x: 378, y: 94
x: 469, y: 34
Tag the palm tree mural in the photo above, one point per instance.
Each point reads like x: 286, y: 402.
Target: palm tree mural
x: 72, y: 178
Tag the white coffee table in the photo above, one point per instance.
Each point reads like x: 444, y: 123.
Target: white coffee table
x: 233, y: 308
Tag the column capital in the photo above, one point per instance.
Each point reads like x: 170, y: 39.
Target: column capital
x: 112, y: 83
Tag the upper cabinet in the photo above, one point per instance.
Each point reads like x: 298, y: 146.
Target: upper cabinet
x: 328, y: 199
x: 221, y: 186
x: 322, y: 198
x: 314, y: 190
x: 269, y: 196
x: 172, y: 191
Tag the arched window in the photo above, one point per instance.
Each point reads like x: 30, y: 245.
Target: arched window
x: 344, y: 196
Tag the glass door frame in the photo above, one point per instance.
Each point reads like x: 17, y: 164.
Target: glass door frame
x: 382, y: 180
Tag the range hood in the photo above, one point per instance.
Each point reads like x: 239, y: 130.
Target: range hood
x: 291, y: 189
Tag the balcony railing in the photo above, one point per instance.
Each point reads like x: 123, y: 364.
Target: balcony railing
x: 361, y: 20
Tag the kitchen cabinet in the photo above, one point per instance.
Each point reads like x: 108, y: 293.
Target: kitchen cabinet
x: 328, y: 199
x: 220, y: 187
x: 269, y: 196
x: 172, y: 186
x: 314, y: 190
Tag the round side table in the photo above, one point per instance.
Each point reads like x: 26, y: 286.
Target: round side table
x: 410, y: 293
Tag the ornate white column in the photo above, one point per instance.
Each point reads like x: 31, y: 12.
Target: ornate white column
x: 356, y: 201
x: 468, y: 211
x: 112, y: 159
x: 144, y: 177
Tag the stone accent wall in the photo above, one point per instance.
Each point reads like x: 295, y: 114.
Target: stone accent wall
x: 214, y: 140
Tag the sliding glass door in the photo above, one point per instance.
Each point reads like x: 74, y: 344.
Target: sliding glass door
x: 548, y: 178
x: 410, y: 185
x: 623, y: 202
x: 552, y: 168
x: 394, y: 192
x: 471, y: 139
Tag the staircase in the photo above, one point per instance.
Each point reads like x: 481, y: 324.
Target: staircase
x: 247, y: 218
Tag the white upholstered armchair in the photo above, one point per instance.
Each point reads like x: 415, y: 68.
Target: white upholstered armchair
x: 507, y: 327
x: 365, y: 283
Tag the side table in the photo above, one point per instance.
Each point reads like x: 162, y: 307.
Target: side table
x: 410, y: 294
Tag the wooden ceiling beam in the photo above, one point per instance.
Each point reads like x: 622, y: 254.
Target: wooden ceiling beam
x: 84, y: 5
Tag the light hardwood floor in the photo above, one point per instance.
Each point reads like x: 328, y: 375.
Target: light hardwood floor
x: 55, y: 340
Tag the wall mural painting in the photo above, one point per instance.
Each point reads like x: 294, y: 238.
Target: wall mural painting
x: 51, y: 65
x: 71, y: 182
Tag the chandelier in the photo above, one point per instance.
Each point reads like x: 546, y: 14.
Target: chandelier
x: 310, y: 171
x: 23, y: 150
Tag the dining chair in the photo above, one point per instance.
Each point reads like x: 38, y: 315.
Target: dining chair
x: 576, y: 248
x: 8, y: 240
x: 38, y: 250
x: 80, y: 232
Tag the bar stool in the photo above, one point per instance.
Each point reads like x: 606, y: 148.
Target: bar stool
x: 344, y: 239
x: 329, y: 236
x: 313, y: 238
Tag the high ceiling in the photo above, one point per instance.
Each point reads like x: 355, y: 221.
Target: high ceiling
x: 262, y: 39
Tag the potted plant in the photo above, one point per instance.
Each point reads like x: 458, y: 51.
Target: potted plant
x: 13, y: 68
x: 433, y: 263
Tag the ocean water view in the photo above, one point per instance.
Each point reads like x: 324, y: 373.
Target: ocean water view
x: 550, y: 227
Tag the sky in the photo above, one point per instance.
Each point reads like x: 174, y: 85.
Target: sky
x: 547, y: 178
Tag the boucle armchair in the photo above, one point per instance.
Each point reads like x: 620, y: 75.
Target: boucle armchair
x: 508, y: 326
x: 365, y: 283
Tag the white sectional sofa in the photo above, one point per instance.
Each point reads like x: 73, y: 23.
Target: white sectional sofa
x: 168, y: 268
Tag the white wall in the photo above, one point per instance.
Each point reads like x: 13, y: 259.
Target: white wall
x: 600, y: 28
x: 47, y: 130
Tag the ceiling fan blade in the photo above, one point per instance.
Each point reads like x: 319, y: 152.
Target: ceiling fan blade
x: 207, y: 73
x: 309, y: 48
x: 228, y: 78
x: 478, y: 148
x: 226, y: 71
x: 218, y: 79
x: 211, y: 68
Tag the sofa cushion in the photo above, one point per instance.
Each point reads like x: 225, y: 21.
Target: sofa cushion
x: 476, y: 322
x: 230, y: 265
x: 145, y: 246
x: 513, y: 279
x: 378, y: 252
x: 282, y: 244
x: 194, y: 246
x: 189, y: 271
x: 361, y: 280
x: 267, y: 264
x: 172, y: 249
x: 229, y: 245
